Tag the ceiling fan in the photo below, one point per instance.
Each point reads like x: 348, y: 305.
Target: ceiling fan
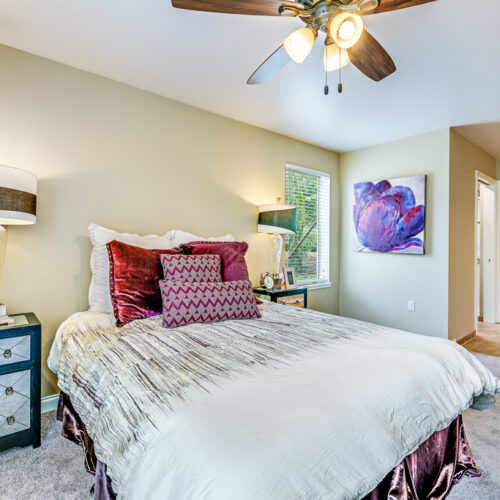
x: 346, y: 39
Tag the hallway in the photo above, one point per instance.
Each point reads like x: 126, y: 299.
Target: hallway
x: 487, y: 340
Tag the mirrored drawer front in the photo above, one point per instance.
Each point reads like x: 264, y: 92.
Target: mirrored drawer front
x: 15, y: 350
x: 292, y: 300
x: 14, y: 402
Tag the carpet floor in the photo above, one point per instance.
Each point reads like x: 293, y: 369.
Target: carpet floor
x: 55, y: 471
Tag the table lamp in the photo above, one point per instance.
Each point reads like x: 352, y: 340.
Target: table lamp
x: 277, y: 219
x: 18, y: 189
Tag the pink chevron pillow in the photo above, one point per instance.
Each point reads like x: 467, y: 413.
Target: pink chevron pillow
x: 185, y: 303
x: 192, y: 268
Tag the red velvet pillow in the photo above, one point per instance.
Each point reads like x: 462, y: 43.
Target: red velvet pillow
x: 232, y: 254
x: 134, y: 275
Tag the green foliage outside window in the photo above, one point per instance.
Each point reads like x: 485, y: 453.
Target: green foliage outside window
x: 301, y: 190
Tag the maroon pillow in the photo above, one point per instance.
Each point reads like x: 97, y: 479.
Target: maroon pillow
x: 185, y: 303
x: 232, y: 254
x: 134, y: 275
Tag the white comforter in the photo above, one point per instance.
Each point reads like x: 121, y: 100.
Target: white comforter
x: 329, y: 423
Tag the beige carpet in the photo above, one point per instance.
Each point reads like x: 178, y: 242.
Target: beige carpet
x: 55, y: 471
x: 483, y: 432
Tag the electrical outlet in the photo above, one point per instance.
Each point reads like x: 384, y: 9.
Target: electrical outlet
x: 411, y: 306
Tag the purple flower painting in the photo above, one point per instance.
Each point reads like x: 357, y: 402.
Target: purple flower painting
x: 390, y: 216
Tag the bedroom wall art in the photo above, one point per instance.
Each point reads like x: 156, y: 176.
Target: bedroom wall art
x: 389, y: 216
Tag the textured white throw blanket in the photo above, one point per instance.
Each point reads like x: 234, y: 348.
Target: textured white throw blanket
x: 289, y: 417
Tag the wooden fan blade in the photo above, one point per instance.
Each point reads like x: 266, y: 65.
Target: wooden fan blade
x: 276, y: 61
x: 388, y: 5
x: 371, y: 58
x: 248, y: 7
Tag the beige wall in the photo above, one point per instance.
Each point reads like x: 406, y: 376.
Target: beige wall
x: 465, y: 159
x: 377, y: 287
x: 134, y: 161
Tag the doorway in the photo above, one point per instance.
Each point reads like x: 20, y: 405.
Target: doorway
x: 486, y: 252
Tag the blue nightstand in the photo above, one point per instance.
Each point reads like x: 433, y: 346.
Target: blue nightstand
x: 20, y: 346
x: 296, y: 297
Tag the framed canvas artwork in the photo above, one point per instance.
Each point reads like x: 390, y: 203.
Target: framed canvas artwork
x: 389, y: 216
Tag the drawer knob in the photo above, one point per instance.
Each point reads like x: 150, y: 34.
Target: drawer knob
x: 7, y: 354
x: 9, y: 391
x: 10, y: 420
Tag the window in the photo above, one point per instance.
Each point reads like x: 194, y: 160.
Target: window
x: 308, y: 251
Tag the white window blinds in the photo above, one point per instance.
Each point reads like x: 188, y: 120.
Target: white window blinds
x: 308, y: 251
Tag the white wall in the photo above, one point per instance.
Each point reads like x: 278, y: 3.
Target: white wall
x: 134, y: 161
x: 487, y: 251
x: 377, y: 287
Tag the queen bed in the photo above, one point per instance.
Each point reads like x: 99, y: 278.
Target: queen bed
x: 295, y: 404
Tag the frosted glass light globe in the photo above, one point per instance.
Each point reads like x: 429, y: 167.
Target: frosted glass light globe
x: 332, y: 60
x: 299, y: 44
x: 346, y: 30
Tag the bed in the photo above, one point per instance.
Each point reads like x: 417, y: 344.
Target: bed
x: 296, y: 404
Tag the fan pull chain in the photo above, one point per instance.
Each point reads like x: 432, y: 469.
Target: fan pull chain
x: 325, y: 88
x: 340, y: 71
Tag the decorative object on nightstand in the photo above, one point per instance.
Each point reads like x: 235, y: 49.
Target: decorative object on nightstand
x: 18, y: 189
x: 4, y: 319
x: 20, y: 346
x: 267, y: 281
x: 289, y: 278
x: 277, y: 219
x: 296, y: 297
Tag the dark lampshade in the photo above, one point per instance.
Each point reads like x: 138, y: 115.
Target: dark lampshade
x: 18, y: 190
x: 281, y: 219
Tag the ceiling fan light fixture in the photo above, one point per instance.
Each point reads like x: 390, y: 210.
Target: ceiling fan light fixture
x: 331, y: 59
x: 299, y: 44
x: 346, y: 29
x: 367, y: 5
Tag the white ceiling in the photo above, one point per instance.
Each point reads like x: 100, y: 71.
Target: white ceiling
x: 446, y: 53
x: 485, y: 135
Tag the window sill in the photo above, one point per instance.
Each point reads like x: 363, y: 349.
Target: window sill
x: 315, y: 286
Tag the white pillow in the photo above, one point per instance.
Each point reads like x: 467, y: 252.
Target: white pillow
x: 99, y: 294
x: 181, y: 237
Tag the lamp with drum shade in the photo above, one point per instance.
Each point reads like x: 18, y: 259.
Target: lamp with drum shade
x: 18, y: 192
x: 277, y: 219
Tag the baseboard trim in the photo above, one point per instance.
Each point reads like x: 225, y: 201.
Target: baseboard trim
x: 468, y: 337
x: 49, y: 403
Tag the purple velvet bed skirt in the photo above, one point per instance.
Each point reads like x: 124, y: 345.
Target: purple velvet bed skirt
x: 74, y: 429
x: 427, y: 473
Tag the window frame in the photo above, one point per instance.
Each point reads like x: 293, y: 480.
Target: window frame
x: 318, y: 282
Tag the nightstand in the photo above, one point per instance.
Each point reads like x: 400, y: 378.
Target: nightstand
x: 297, y: 297
x: 20, y: 382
